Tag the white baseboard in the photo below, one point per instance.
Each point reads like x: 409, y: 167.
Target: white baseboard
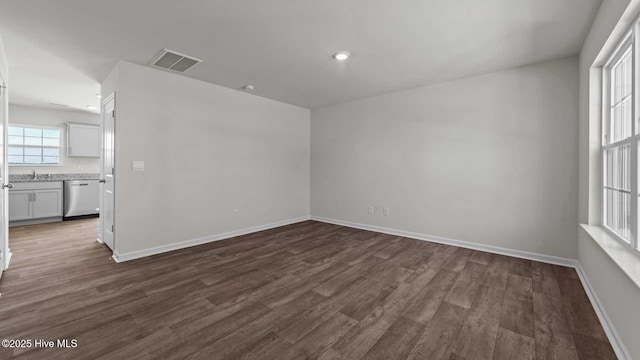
x: 616, y: 342
x: 605, y: 321
x: 203, y: 240
x: 459, y: 243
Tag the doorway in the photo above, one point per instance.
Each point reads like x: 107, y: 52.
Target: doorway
x: 44, y: 198
x: 5, y: 253
x: 107, y: 226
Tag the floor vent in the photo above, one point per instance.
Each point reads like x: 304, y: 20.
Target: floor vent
x: 171, y: 60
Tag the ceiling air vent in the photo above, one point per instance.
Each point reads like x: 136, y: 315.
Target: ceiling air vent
x: 169, y: 59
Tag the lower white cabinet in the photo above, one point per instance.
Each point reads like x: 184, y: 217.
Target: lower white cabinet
x: 35, y: 200
x: 47, y: 203
x: 20, y: 205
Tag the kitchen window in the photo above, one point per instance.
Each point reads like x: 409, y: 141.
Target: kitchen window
x: 33, y: 145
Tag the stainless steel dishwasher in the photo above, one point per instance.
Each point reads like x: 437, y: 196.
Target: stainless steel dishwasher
x: 81, y: 197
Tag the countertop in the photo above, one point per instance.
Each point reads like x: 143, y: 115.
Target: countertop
x: 52, y: 177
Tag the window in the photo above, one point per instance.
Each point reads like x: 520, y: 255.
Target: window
x: 30, y: 145
x: 620, y: 144
x: 617, y: 143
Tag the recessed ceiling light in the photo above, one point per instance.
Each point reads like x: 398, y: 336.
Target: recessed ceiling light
x: 248, y: 87
x: 91, y: 107
x: 99, y: 96
x: 341, y: 55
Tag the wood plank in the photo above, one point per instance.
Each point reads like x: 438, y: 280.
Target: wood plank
x: 425, y: 303
x: 397, y: 341
x: 517, y: 313
x: 362, y: 337
x: 306, y: 322
x: 581, y: 317
x: 320, y: 339
x: 362, y: 304
x: 544, y: 280
x: 480, y: 329
x: 552, y: 334
x: 497, y: 272
x: 330, y: 354
x: 464, y: 289
x: 437, y: 339
x: 477, y: 338
x: 225, y: 326
x: 590, y: 348
x: 511, y: 345
x: 343, y: 279
x: 242, y: 341
x: 520, y: 267
x: 458, y: 260
x: 266, y: 348
x: 481, y: 257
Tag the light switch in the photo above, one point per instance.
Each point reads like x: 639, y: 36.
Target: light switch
x: 137, y: 165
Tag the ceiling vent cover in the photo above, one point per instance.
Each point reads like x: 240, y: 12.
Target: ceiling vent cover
x: 169, y: 59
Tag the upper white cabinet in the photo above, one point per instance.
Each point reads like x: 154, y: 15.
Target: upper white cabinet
x: 83, y: 140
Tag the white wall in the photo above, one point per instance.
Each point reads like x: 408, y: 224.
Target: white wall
x: 618, y: 294
x: 490, y: 159
x: 26, y: 115
x: 207, y: 150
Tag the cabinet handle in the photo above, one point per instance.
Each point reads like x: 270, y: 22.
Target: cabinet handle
x: 34, y: 196
x: 7, y: 186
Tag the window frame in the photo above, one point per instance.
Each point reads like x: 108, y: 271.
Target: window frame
x: 35, y: 126
x: 628, y: 42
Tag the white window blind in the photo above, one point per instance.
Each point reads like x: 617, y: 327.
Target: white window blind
x: 621, y: 98
x: 617, y: 192
x: 33, y: 145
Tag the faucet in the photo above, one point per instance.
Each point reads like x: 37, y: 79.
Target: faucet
x: 34, y: 175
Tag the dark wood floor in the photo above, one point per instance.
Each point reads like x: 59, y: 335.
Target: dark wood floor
x: 304, y: 291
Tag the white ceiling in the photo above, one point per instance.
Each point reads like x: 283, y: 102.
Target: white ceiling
x: 60, y: 50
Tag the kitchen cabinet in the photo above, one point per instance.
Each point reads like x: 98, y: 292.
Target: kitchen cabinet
x: 35, y: 200
x: 83, y: 140
x: 47, y: 203
x: 20, y: 205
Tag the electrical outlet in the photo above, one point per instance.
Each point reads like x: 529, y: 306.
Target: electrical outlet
x: 370, y: 209
x: 385, y: 211
x: 236, y: 213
